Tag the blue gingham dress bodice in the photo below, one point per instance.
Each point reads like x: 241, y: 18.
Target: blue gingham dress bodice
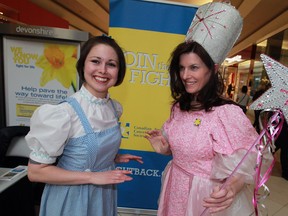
x: 92, y: 152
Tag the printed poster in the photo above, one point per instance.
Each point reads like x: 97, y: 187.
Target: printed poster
x: 37, y: 72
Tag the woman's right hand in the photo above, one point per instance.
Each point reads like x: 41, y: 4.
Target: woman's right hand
x: 110, y: 177
x: 51, y: 174
x: 158, y: 142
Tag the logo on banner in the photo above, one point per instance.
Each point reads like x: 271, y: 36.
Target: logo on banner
x: 125, y: 129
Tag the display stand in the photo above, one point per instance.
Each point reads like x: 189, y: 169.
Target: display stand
x: 24, y: 72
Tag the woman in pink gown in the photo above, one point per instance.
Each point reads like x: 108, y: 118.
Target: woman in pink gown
x: 206, y: 134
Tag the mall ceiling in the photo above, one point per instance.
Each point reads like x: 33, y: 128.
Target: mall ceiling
x: 262, y: 18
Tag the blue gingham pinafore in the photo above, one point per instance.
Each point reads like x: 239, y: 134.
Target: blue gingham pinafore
x: 95, y: 152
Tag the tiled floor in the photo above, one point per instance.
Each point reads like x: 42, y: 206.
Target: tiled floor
x: 276, y: 203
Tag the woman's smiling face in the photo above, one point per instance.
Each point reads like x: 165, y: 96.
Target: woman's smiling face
x: 193, y: 72
x: 101, y: 70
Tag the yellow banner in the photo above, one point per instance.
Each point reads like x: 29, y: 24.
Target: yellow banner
x: 145, y: 92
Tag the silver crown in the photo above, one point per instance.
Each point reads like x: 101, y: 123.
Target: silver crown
x: 216, y: 26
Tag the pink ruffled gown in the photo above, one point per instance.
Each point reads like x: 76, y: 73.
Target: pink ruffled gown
x: 203, y: 156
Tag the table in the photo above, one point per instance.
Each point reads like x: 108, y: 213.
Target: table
x: 16, y: 195
x: 4, y: 184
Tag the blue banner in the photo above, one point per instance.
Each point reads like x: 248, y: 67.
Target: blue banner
x: 151, y: 16
x: 143, y: 191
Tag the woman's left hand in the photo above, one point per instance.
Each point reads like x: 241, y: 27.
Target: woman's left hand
x: 221, y: 199
x: 125, y: 158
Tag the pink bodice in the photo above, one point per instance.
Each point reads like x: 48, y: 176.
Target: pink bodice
x: 223, y: 130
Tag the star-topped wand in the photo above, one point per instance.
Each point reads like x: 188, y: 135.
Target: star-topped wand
x: 274, y: 99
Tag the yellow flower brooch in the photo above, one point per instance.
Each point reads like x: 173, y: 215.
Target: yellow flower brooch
x: 197, y: 122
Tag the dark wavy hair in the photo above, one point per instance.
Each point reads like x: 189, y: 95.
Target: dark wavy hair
x: 88, y: 45
x: 210, y: 95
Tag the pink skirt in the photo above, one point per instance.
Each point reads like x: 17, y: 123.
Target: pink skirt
x: 200, y: 188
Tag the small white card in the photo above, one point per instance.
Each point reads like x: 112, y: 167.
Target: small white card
x: 11, y: 174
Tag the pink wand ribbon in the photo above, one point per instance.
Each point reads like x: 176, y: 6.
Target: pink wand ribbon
x: 271, y: 132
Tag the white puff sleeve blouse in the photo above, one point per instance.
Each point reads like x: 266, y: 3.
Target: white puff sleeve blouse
x: 52, y: 125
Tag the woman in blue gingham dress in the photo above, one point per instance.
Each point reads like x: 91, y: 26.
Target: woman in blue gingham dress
x: 75, y: 143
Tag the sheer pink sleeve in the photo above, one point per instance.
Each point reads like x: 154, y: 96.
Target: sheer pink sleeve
x: 234, y: 136
x: 233, y: 130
